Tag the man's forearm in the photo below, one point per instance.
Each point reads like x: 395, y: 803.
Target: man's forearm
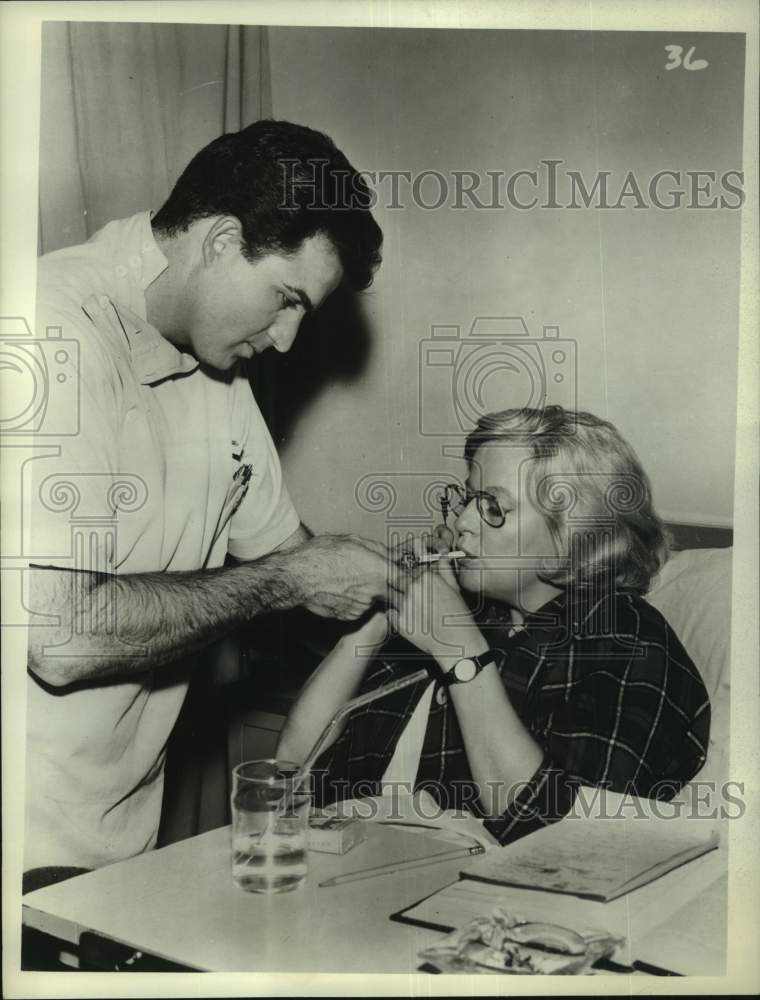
x: 116, y: 626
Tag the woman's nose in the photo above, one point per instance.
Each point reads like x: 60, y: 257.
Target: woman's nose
x: 468, y: 520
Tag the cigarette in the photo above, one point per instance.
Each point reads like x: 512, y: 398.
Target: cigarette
x: 435, y: 556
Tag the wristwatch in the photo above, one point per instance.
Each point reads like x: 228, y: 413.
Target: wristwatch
x: 468, y: 668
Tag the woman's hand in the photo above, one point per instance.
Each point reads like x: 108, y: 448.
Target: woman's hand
x: 434, y: 616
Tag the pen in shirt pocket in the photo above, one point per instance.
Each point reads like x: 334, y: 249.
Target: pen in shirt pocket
x: 235, y: 494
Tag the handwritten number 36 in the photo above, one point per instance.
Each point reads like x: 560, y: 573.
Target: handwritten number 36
x: 675, y: 52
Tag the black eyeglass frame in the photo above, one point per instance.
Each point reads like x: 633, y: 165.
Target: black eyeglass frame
x: 464, y: 498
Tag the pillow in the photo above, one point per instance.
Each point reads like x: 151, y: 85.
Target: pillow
x: 693, y: 592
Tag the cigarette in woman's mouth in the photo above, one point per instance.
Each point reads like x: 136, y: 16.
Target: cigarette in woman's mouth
x: 435, y: 556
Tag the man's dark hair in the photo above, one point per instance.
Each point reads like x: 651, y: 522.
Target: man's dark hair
x: 285, y: 183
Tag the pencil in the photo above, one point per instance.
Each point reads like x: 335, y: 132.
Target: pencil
x: 403, y: 866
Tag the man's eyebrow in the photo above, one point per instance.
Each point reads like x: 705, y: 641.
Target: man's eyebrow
x: 302, y: 297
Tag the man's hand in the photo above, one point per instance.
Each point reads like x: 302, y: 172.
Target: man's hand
x: 342, y: 576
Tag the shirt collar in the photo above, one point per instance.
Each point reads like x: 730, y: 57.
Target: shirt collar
x: 153, y: 357
x: 153, y: 260
x: 569, y: 606
x: 137, y: 255
x: 575, y: 608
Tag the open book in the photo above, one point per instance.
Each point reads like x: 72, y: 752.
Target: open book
x: 596, y: 857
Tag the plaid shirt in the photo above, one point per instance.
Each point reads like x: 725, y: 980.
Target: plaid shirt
x: 602, y: 684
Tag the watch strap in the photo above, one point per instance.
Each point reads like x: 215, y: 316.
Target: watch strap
x: 481, y: 661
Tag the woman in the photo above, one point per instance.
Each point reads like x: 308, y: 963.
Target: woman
x: 569, y: 676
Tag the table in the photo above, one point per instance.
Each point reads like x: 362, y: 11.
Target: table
x: 179, y: 903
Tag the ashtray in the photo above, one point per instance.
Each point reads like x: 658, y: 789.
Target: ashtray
x: 507, y: 943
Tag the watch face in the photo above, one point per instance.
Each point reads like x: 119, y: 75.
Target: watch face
x: 465, y: 670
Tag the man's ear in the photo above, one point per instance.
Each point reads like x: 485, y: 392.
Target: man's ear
x: 223, y: 235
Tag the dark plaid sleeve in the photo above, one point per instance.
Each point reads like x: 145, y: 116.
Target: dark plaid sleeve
x: 626, y: 711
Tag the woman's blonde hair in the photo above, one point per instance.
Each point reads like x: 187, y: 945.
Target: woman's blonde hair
x: 592, y: 491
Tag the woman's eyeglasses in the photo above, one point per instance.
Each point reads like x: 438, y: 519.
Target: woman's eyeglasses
x: 454, y: 498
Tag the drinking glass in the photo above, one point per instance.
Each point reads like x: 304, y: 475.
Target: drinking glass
x: 270, y: 818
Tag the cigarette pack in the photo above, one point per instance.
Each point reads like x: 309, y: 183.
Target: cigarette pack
x: 333, y: 834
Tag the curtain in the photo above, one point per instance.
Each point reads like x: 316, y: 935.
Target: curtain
x: 124, y: 107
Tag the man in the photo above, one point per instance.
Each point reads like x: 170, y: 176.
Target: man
x: 170, y: 468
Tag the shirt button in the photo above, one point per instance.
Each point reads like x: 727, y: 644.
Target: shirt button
x: 121, y: 271
x: 440, y: 695
x: 135, y: 260
x: 103, y: 301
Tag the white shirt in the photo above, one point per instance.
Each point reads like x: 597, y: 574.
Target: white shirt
x: 148, y: 474
x: 401, y: 773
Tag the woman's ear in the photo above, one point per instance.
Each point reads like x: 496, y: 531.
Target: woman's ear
x: 568, y: 548
x: 224, y: 235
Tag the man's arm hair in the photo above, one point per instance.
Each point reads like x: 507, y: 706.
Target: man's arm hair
x: 133, y: 623
x: 116, y: 626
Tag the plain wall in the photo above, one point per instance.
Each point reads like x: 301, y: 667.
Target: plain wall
x: 648, y: 296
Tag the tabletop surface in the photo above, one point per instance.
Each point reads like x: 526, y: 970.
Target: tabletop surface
x: 180, y: 903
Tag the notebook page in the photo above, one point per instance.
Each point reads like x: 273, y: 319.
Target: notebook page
x: 594, y: 857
